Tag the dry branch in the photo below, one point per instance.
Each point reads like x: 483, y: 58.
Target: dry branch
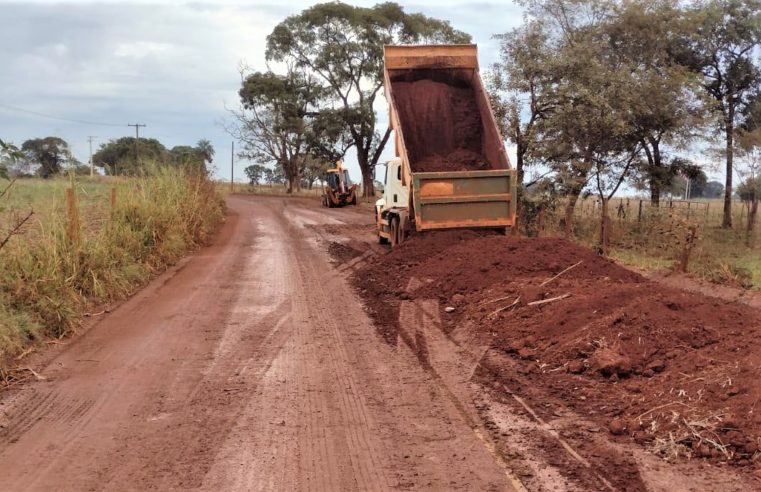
x: 15, y: 230
x: 551, y: 299
x: 561, y: 273
x: 515, y: 302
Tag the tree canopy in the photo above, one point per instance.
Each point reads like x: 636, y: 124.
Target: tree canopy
x: 118, y: 157
x: 51, y: 154
x: 342, y: 46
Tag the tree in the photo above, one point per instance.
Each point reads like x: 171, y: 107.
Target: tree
x: 721, y: 49
x: 9, y: 155
x: 342, y: 46
x: 255, y: 173
x: 521, y: 88
x: 205, y: 150
x: 49, y: 153
x: 273, y: 122
x: 663, y: 105
x: 749, y: 152
x: 269, y: 176
x: 588, y: 132
x: 117, y: 157
x: 314, y: 169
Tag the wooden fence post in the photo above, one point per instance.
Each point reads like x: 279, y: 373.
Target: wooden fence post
x: 113, y: 198
x: 73, y: 215
x: 639, y: 216
x: 689, y: 242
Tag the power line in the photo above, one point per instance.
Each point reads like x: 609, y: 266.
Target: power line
x: 50, y: 116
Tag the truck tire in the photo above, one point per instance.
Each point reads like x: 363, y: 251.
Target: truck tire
x: 394, y: 223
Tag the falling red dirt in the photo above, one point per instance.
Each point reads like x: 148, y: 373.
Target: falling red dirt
x: 674, y: 371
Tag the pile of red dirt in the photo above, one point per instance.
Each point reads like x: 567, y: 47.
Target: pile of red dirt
x: 673, y: 370
x: 442, y: 125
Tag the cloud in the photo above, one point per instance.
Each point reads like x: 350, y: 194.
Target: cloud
x: 170, y: 65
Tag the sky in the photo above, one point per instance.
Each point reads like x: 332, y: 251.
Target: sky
x: 172, y: 66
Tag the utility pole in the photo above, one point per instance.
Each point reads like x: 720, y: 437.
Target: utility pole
x: 232, y: 167
x: 137, y: 139
x: 92, y: 165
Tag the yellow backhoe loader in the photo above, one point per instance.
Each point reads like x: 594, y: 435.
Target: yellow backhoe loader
x: 338, y: 190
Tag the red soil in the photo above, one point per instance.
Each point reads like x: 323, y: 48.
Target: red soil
x: 442, y: 126
x: 673, y: 370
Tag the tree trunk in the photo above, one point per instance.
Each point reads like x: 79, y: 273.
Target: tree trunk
x: 729, y: 130
x: 519, y: 164
x: 363, y: 159
x: 655, y: 192
x: 570, y: 207
x: 604, y: 227
x: 752, y: 212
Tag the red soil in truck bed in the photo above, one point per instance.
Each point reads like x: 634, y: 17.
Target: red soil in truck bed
x: 442, y: 125
x: 674, y: 371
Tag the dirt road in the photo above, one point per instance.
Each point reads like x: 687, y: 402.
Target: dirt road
x: 251, y: 366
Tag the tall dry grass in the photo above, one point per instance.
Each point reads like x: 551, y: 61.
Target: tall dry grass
x: 48, y: 281
x: 654, y: 239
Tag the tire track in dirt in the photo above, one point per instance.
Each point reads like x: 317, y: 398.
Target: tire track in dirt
x: 332, y: 421
x: 251, y: 367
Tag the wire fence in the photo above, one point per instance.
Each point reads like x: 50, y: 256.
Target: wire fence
x: 708, y: 213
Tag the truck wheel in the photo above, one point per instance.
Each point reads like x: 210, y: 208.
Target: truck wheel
x: 403, y: 229
x: 394, y: 231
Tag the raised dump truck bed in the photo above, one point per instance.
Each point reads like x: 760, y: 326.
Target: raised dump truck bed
x: 451, y: 157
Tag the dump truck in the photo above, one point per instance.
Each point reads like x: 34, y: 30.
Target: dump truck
x: 338, y: 190
x: 451, y: 169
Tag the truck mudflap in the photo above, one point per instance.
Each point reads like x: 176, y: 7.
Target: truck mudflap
x: 446, y: 200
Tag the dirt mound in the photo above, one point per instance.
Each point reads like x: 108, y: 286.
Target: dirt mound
x: 442, y: 125
x: 342, y: 253
x: 673, y: 370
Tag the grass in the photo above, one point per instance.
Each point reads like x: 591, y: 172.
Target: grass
x: 48, y: 281
x: 654, y: 240
x: 271, y: 190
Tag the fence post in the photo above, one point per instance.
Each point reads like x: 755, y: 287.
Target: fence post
x: 73, y: 215
x: 113, y: 198
x: 639, y: 216
x: 689, y: 242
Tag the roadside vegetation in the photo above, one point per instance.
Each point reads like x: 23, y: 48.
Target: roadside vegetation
x: 657, y: 239
x: 602, y: 100
x: 611, y: 99
x: 71, y: 258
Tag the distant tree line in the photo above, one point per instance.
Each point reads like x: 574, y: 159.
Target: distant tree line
x: 50, y: 156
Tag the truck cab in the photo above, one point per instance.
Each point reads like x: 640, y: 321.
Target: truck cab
x: 391, y: 208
